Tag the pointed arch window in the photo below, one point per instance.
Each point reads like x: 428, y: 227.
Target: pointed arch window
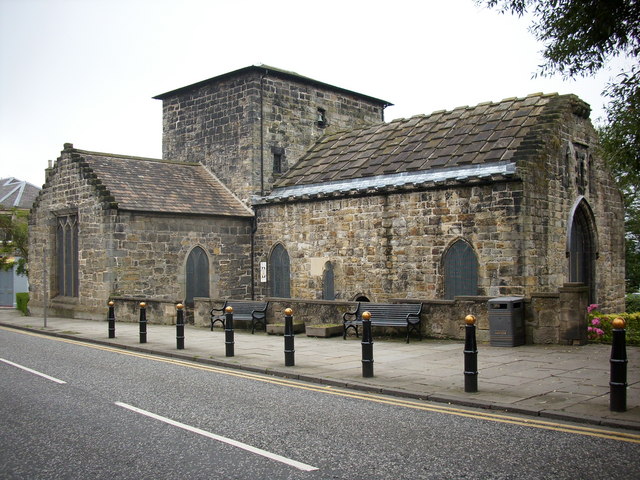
x: 280, y: 273
x: 582, y: 249
x: 67, y: 255
x: 460, y: 270
x: 197, y: 275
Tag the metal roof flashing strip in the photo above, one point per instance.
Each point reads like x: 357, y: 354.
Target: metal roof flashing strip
x: 409, y: 179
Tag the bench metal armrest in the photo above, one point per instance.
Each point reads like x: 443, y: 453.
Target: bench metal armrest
x: 213, y: 310
x: 353, y: 315
x: 262, y: 311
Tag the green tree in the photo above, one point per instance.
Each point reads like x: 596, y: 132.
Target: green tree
x: 580, y: 37
x: 15, y: 240
x: 621, y: 157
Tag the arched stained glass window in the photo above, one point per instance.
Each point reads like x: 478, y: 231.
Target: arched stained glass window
x: 460, y: 270
x: 197, y: 275
x: 280, y: 273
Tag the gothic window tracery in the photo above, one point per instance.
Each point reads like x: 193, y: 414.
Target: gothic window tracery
x: 67, y: 255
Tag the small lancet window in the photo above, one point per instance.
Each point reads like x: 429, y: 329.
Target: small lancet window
x: 277, y: 163
x: 278, y: 160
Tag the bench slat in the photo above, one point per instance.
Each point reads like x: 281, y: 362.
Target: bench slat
x: 385, y: 315
x: 251, y: 310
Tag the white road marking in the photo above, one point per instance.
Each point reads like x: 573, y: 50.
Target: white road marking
x: 228, y: 441
x: 43, y: 375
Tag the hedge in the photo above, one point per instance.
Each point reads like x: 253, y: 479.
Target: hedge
x: 599, y: 325
x: 22, y: 300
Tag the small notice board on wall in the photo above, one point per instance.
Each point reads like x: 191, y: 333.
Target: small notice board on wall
x: 263, y: 272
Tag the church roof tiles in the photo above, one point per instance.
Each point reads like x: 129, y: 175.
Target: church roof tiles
x: 450, y: 141
x: 142, y: 184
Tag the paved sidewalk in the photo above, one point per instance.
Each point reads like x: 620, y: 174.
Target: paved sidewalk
x: 560, y: 382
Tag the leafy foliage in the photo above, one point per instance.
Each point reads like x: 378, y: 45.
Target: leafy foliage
x: 604, y: 323
x: 579, y: 36
x: 620, y: 143
x: 22, y: 300
x: 632, y: 303
x: 15, y: 241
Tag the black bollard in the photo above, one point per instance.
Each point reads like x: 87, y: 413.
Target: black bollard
x: 143, y: 322
x: 111, y: 317
x: 470, y: 355
x: 180, y: 327
x: 618, y: 378
x: 289, y: 350
x: 229, y: 342
x: 367, y: 346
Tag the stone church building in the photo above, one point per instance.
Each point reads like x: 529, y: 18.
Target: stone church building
x: 274, y: 185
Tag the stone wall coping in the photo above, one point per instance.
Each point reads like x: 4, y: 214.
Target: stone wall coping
x: 544, y: 295
x: 573, y: 287
x: 144, y: 299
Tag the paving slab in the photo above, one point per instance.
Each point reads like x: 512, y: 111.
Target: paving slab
x: 554, y: 381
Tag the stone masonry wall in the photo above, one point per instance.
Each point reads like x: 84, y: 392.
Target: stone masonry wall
x: 218, y: 126
x: 291, y: 111
x: 440, y: 318
x: 68, y: 190
x: 149, y: 254
x: 127, y: 253
x: 391, y: 246
x: 224, y: 124
x: 556, y: 175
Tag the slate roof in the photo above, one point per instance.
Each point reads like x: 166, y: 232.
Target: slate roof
x: 149, y: 185
x: 446, y: 141
x: 17, y: 193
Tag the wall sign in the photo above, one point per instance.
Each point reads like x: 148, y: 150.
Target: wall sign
x: 263, y: 272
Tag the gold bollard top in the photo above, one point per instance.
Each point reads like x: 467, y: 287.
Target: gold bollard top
x: 618, y: 323
x: 111, y: 303
x: 288, y: 312
x: 366, y: 315
x: 143, y: 305
x: 179, y: 306
x: 229, y: 309
x: 470, y: 320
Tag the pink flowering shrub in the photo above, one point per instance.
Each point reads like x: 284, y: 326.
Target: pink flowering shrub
x: 599, y: 328
x: 593, y: 330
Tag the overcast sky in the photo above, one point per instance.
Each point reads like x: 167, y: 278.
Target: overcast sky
x: 84, y: 71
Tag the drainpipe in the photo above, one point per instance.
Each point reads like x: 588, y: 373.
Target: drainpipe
x: 254, y: 228
x: 262, y: 132
x: 254, y: 221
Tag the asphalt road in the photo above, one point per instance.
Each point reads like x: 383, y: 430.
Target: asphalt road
x: 124, y: 415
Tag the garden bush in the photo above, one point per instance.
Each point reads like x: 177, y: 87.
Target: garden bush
x: 599, y: 326
x: 632, y: 303
x: 22, y: 300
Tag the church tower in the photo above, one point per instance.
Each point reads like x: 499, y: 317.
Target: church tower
x: 250, y: 125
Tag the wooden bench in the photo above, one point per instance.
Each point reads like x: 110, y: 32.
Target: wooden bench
x: 249, y: 310
x: 385, y: 315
